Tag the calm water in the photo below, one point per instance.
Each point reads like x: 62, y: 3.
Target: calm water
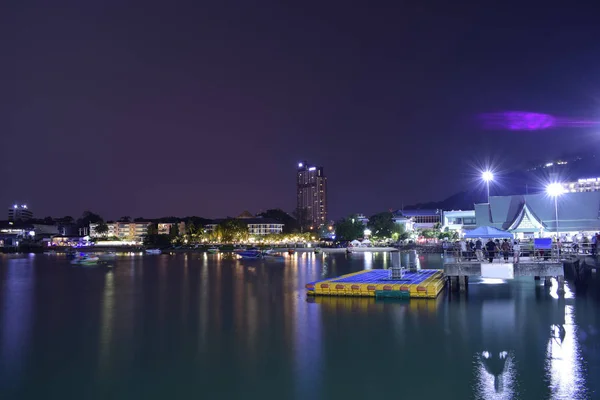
x: 210, y: 327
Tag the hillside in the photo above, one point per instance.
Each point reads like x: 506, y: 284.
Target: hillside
x: 531, y: 179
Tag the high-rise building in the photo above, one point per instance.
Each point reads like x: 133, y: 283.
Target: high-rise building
x: 19, y: 213
x: 311, y: 189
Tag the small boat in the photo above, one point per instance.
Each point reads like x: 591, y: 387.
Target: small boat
x: 269, y: 251
x: 86, y: 260
x: 212, y: 250
x: 250, y: 254
x: 153, y: 251
x: 317, y: 250
x: 50, y: 253
x: 291, y: 251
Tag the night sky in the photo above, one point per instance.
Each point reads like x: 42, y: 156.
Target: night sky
x: 204, y: 108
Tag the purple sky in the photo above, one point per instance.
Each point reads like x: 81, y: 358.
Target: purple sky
x: 204, y: 108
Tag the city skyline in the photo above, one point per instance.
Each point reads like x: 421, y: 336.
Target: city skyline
x: 211, y: 123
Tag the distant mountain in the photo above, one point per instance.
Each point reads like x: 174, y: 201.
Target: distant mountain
x: 528, y: 180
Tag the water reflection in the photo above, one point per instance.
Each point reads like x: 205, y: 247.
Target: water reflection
x: 214, y: 327
x: 17, y: 312
x: 563, y: 360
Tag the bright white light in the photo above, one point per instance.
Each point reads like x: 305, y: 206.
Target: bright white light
x: 367, y: 232
x: 300, y: 165
x: 24, y: 206
x: 312, y: 168
x: 15, y: 206
x: 31, y: 233
x: 487, y: 176
x: 555, y: 189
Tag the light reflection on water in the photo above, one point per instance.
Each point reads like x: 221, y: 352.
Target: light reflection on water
x: 199, y: 322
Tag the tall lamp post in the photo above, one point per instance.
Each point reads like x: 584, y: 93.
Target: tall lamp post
x: 487, y: 176
x: 555, y: 190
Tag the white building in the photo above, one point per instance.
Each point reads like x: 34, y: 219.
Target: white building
x: 458, y: 220
x: 19, y: 213
x: 582, y: 185
x: 123, y: 230
x: 409, y: 223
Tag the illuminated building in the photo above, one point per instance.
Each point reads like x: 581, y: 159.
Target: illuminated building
x: 123, y: 230
x: 421, y: 219
x: 582, y: 185
x: 19, y: 213
x: 458, y: 220
x: 164, y: 228
x: 311, y: 190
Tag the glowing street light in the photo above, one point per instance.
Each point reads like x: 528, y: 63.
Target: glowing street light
x: 367, y: 232
x: 555, y: 189
x: 487, y: 176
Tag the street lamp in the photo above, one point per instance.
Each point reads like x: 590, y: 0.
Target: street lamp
x: 487, y: 176
x: 554, y: 190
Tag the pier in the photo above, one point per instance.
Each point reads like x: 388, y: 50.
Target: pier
x: 459, y: 271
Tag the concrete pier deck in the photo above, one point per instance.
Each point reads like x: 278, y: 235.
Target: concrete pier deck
x: 459, y: 272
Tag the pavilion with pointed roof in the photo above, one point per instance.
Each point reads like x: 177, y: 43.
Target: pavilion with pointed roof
x: 534, y: 215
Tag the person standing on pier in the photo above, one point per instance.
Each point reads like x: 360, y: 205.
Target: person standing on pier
x: 463, y: 249
x: 505, y: 249
x: 479, y: 250
x: 516, y: 251
x: 491, y: 247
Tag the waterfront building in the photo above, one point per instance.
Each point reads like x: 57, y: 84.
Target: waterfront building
x: 458, y: 220
x: 422, y: 219
x: 582, y: 185
x: 362, y: 219
x: 311, y: 191
x: 164, y: 228
x: 19, y: 212
x: 123, y: 230
x: 409, y: 224
x: 535, y: 215
x: 256, y: 225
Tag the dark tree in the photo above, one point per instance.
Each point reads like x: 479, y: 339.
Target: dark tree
x: 349, y: 229
x: 381, y: 224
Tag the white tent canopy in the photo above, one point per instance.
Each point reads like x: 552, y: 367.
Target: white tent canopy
x: 487, y: 232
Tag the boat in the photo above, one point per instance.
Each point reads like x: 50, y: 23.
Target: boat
x: 250, y: 254
x: 269, y: 251
x: 212, y: 250
x: 50, y: 253
x: 291, y: 251
x: 153, y: 251
x: 86, y: 260
x: 239, y: 249
x: 317, y: 250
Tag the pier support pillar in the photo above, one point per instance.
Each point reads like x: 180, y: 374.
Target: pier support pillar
x: 547, y: 281
x: 463, y: 281
x: 537, y: 278
x: 561, y: 283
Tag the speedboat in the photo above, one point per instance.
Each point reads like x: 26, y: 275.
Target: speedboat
x: 250, y: 254
x: 153, y: 251
x: 86, y: 260
x: 212, y: 250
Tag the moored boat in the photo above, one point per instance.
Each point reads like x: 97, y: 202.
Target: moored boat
x: 212, y: 250
x: 250, y: 254
x: 86, y: 260
x: 153, y: 251
x: 317, y: 250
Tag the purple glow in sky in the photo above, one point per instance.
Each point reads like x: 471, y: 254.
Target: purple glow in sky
x: 529, y: 121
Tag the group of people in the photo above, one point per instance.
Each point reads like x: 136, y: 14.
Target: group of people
x: 479, y: 250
